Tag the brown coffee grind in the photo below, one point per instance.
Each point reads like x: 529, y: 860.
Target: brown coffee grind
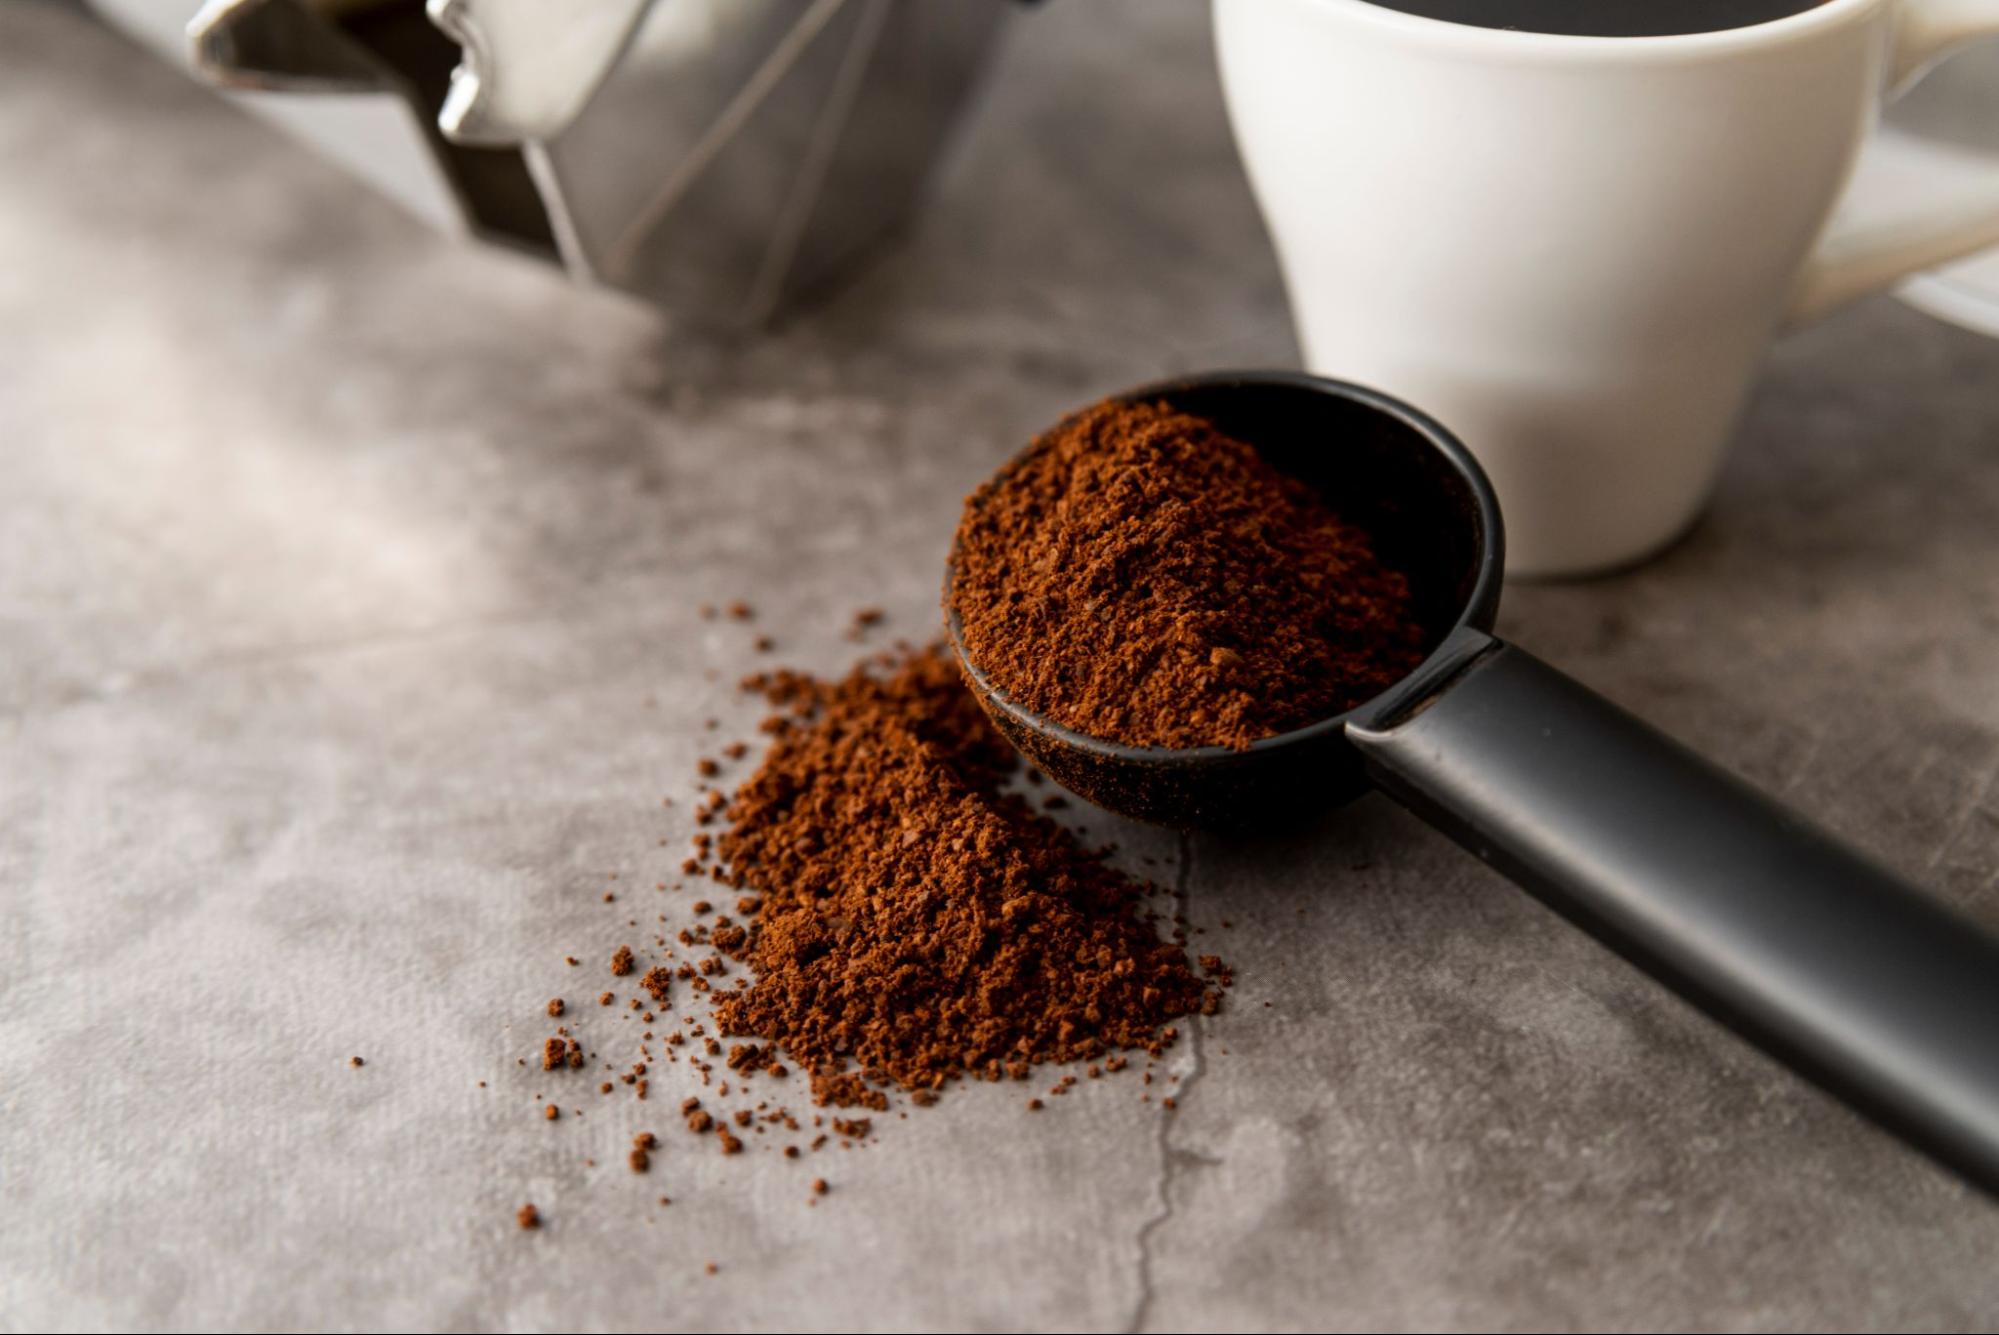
x: 1140, y: 577
x: 906, y: 919
x: 917, y: 922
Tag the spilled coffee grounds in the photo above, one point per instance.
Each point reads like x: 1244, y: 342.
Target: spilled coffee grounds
x: 1140, y: 577
x: 916, y: 921
x: 907, y: 917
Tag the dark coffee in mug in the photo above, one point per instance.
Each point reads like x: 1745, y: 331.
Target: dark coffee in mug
x: 1605, y: 18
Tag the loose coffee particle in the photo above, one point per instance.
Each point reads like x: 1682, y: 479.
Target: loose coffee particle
x: 1140, y: 577
x: 865, y: 620
x: 528, y: 1217
x: 621, y: 961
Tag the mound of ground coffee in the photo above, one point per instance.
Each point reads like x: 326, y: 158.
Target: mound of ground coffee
x: 918, y: 922
x: 907, y: 919
x: 1140, y: 577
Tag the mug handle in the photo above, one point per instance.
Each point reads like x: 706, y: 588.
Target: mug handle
x: 1912, y: 205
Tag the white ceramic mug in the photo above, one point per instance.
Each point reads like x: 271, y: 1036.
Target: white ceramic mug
x: 1573, y: 251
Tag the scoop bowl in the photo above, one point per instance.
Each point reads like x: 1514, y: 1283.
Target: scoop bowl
x: 1385, y: 467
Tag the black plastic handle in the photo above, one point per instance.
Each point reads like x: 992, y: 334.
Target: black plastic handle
x: 1823, y: 958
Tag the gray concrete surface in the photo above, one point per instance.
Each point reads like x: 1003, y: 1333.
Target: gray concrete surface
x: 348, y: 643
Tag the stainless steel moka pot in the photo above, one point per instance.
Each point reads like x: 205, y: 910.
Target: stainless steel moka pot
x: 719, y: 157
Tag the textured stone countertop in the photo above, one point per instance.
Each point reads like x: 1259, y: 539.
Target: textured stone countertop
x: 348, y: 643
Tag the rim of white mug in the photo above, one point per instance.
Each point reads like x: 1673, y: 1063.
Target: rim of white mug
x: 1825, y: 15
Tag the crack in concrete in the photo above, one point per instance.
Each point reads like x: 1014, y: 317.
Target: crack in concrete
x: 1171, y: 1160
x: 1963, y: 816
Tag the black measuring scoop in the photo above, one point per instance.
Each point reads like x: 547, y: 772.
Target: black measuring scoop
x: 1768, y: 923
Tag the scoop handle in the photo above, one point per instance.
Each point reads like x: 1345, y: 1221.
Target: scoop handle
x: 1745, y: 908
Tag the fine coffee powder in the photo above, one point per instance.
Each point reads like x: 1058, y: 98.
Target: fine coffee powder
x: 1142, y: 578
x: 907, y: 918
x: 917, y: 920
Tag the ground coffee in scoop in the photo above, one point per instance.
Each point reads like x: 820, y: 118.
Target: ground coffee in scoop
x: 1140, y: 577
